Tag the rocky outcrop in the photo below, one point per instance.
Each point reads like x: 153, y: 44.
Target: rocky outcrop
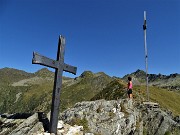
x: 20, y: 126
x: 36, y: 124
x: 160, y: 123
x: 100, y: 117
x: 121, y: 117
x: 115, y: 117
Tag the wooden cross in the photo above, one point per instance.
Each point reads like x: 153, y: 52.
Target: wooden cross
x: 59, y: 67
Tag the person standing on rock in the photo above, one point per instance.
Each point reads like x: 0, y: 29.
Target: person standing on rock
x: 129, y: 88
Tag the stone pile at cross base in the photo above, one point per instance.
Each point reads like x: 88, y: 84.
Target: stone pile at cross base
x: 114, y: 117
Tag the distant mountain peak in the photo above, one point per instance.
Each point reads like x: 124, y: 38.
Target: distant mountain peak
x: 101, y: 74
x: 90, y: 74
x: 139, y: 72
x: 43, y: 69
x: 44, y: 72
x: 86, y: 74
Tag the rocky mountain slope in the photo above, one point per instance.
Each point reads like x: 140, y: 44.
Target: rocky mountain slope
x: 171, y: 81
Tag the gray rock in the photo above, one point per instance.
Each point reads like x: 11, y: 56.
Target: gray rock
x: 8, y: 125
x: 37, y: 129
x: 115, y: 117
x: 159, y: 123
x: 105, y: 117
x: 26, y: 126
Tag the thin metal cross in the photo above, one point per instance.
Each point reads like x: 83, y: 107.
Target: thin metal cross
x: 59, y: 67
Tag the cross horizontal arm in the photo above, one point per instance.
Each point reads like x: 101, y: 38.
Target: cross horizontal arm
x: 70, y: 69
x: 42, y: 60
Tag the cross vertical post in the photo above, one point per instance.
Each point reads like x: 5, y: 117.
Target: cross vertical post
x: 59, y: 67
x: 57, y: 87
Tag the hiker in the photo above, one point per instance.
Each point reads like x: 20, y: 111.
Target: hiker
x: 129, y: 88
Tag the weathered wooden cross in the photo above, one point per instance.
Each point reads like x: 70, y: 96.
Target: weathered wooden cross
x: 59, y: 66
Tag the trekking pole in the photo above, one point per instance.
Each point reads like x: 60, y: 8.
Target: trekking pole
x: 146, y: 55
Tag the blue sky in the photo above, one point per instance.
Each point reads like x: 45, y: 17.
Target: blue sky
x: 101, y: 35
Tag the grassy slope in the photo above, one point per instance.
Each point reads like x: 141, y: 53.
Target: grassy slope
x: 114, y: 90
x: 167, y: 99
x: 37, y: 97
x: 86, y: 87
x: 9, y: 75
x: 29, y: 96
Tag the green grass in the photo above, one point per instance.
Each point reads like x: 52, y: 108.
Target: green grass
x: 84, y: 90
x: 113, y: 91
x: 32, y: 98
x: 167, y: 99
x: 167, y: 133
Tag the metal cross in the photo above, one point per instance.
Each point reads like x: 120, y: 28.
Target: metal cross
x: 59, y: 67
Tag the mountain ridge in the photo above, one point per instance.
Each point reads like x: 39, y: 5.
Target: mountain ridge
x: 98, y: 99
x: 33, y: 91
x: 171, y: 81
